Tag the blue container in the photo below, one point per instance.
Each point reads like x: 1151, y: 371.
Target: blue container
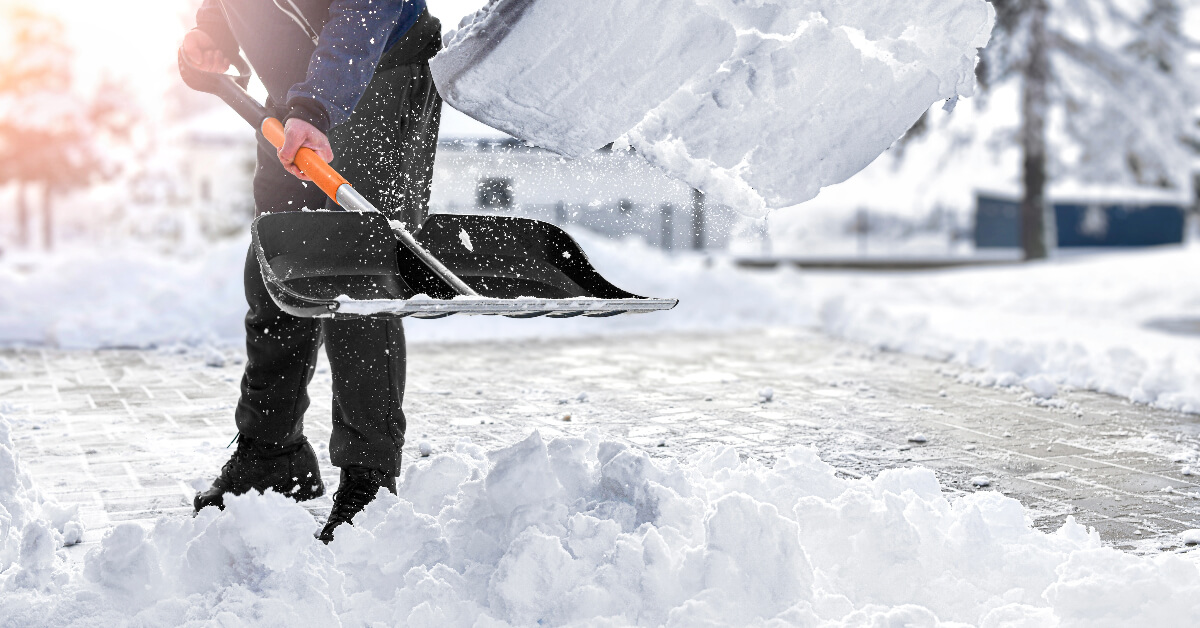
x: 998, y: 224
x: 1118, y: 225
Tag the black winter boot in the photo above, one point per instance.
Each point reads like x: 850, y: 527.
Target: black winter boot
x: 291, y: 470
x: 358, y: 487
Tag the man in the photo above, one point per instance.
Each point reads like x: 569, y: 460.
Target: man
x: 350, y: 79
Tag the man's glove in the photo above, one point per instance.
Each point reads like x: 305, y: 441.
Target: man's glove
x: 203, y: 52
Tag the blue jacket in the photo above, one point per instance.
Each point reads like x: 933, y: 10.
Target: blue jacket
x: 350, y: 37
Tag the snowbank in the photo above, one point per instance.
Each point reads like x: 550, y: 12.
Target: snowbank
x: 1094, y: 322
x: 134, y: 296
x: 32, y: 528
x: 582, y: 532
x: 760, y: 104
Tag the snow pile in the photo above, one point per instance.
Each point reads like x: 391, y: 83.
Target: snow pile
x: 81, y: 297
x: 760, y: 104
x: 582, y: 532
x: 1094, y: 322
x: 32, y: 528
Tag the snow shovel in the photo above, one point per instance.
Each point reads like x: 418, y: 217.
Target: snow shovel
x: 327, y: 264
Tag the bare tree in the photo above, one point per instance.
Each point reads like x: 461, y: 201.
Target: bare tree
x: 52, y: 138
x: 1115, y: 79
x: 1035, y: 104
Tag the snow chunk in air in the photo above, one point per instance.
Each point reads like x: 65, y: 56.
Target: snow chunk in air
x: 759, y: 104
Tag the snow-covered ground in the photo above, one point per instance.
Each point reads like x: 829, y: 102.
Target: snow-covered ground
x: 131, y: 295
x: 32, y: 527
x: 1098, y: 321
x: 582, y: 532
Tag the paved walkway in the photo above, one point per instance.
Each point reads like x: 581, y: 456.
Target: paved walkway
x: 130, y: 435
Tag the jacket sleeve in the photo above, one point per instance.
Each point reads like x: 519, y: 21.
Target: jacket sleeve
x: 352, y: 42
x: 211, y: 19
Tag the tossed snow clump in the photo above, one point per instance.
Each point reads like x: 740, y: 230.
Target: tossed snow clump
x: 760, y: 104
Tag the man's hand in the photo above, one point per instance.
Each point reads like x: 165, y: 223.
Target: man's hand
x: 300, y: 134
x: 203, y: 52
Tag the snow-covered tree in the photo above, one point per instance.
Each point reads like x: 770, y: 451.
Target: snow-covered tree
x: 1112, y: 77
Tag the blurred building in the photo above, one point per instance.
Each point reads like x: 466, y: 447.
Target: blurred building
x: 615, y: 193
x: 478, y: 170
x: 196, y: 185
x: 220, y: 167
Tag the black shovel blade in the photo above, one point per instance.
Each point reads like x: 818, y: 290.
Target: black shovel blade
x: 310, y: 260
x: 347, y: 264
x: 503, y: 257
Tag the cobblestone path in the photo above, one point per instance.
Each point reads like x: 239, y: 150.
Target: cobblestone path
x: 130, y: 435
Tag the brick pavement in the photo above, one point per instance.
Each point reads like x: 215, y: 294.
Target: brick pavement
x: 130, y: 435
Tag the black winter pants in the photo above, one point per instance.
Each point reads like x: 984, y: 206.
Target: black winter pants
x: 386, y: 150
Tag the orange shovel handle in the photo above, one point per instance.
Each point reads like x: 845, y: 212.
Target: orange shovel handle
x: 307, y: 160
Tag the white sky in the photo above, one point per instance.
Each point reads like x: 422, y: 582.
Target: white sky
x: 135, y: 40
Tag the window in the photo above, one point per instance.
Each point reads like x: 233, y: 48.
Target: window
x: 494, y: 193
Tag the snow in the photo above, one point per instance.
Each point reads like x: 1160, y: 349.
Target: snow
x: 485, y: 69
x: 32, y: 527
x: 725, y: 95
x: 131, y: 295
x: 1091, y: 321
x: 1055, y: 476
x: 457, y: 126
x: 1041, y: 386
x: 1094, y: 321
x: 576, y: 531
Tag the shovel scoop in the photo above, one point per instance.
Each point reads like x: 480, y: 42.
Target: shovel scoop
x: 356, y: 263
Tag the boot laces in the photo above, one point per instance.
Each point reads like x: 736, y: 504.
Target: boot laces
x: 359, y: 489
x: 242, y: 457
